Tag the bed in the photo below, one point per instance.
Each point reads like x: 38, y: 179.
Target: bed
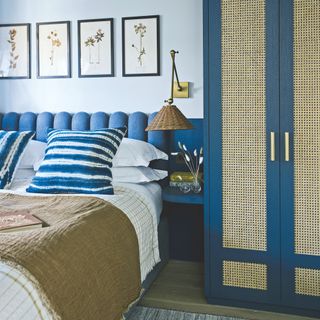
x: 141, y: 203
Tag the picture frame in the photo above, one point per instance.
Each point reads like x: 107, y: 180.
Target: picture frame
x: 141, y: 46
x: 95, y: 48
x: 53, y: 50
x: 15, y: 52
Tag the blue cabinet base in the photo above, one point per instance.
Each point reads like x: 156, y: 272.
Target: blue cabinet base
x: 185, y: 231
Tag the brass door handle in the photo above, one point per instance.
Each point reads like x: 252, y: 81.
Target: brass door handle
x: 286, y: 146
x: 272, y: 146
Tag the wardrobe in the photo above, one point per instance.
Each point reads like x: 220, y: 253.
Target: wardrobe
x: 262, y: 154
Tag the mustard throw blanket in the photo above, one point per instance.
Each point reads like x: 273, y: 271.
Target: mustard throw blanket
x: 85, y: 264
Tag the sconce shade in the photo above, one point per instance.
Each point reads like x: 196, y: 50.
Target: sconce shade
x: 169, y: 118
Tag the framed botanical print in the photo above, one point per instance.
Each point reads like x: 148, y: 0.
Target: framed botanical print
x: 141, y: 46
x: 53, y: 46
x: 15, y: 51
x: 95, y: 46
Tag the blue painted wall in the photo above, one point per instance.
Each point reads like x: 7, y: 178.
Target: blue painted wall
x: 190, y: 138
x: 181, y: 29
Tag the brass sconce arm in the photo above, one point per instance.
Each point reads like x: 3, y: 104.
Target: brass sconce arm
x: 174, y: 74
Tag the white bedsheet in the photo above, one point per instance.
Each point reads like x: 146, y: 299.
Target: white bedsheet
x: 141, y: 203
x: 151, y: 191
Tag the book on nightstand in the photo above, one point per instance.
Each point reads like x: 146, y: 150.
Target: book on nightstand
x: 182, y: 179
x: 18, y: 221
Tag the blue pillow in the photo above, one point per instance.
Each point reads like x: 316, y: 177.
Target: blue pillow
x: 12, y: 146
x: 78, y: 162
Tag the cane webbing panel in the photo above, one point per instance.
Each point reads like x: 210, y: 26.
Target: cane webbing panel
x: 243, y: 124
x: 307, y: 282
x: 307, y: 126
x: 245, y: 275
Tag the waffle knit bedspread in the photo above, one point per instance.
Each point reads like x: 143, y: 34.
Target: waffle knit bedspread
x: 84, y: 264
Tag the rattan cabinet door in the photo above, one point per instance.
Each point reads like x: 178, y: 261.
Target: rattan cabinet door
x: 244, y: 254
x: 300, y: 172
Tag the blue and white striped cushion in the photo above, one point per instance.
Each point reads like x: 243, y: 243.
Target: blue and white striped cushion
x: 12, y: 146
x: 78, y: 162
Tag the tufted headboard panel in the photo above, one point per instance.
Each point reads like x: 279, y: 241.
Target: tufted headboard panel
x: 136, y: 123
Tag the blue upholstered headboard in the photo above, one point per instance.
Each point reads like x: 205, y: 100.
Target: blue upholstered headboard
x: 136, y: 123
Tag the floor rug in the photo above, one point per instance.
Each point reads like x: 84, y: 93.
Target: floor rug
x: 143, y: 313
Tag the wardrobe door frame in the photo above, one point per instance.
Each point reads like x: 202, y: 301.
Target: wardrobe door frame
x: 216, y: 292
x: 290, y: 260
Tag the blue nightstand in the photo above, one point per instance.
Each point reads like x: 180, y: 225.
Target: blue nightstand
x: 185, y: 216
x: 174, y: 195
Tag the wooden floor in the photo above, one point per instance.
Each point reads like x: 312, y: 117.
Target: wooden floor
x: 180, y: 287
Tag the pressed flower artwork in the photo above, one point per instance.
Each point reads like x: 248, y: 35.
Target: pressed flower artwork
x: 140, y: 46
x: 14, y: 55
x: 140, y: 30
x: 54, y: 49
x: 95, y: 43
x: 55, y: 44
x: 15, y: 51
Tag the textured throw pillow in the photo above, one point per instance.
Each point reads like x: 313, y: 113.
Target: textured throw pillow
x: 78, y: 162
x: 12, y: 146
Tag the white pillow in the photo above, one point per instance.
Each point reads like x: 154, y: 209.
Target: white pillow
x: 33, y: 155
x: 137, y: 174
x: 22, y: 178
x: 24, y: 174
x: 132, y: 153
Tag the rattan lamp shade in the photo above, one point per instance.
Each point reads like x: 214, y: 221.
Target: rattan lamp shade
x: 169, y: 118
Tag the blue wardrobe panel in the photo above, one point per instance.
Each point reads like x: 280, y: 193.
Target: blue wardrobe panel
x: 292, y: 273
x: 80, y: 121
x: 99, y: 120
x: 223, y: 255
x: 136, y: 126
x: 44, y: 121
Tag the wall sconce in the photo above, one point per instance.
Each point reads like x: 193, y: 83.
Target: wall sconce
x: 170, y: 117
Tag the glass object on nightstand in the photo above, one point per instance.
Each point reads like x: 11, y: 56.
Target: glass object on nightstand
x: 191, y: 181
x: 185, y: 188
x: 196, y: 186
